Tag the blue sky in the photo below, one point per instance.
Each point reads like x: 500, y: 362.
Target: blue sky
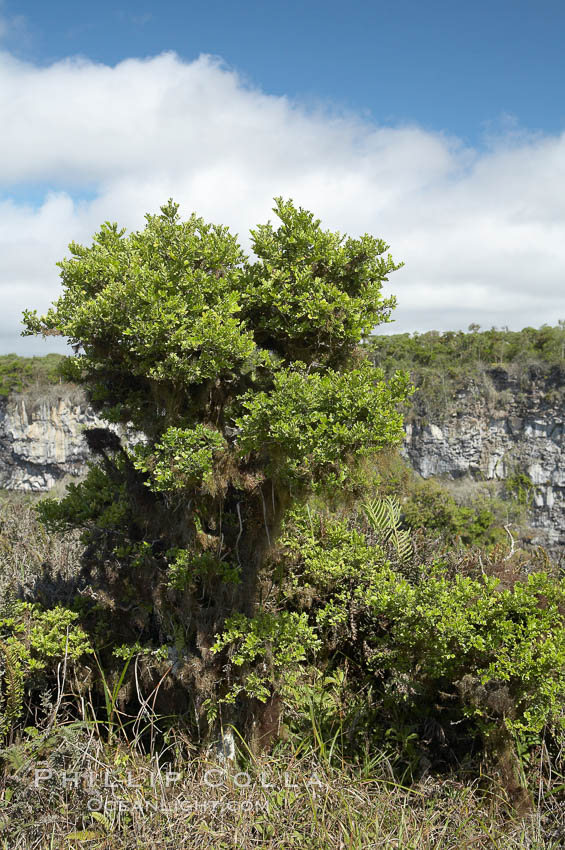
x: 455, y: 66
x: 461, y: 67
x: 438, y: 126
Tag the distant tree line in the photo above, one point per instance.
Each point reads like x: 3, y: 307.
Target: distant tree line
x: 452, y: 350
x: 18, y: 373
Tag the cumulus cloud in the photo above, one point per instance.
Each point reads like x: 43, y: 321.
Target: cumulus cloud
x: 480, y: 231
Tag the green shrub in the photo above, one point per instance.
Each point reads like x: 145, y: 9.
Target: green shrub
x: 430, y: 648
x: 274, y: 644
x: 503, y: 651
x: 32, y: 640
x: 519, y: 486
x: 431, y: 507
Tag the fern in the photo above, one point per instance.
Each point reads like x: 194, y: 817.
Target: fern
x: 383, y: 515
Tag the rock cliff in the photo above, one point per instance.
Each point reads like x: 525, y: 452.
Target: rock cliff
x: 497, y: 425
x: 41, y: 437
x: 503, y: 424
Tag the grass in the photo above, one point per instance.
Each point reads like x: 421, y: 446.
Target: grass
x: 32, y: 562
x: 292, y: 798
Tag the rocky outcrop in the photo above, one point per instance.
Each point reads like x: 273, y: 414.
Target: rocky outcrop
x: 503, y: 425
x: 41, y: 437
x: 490, y: 428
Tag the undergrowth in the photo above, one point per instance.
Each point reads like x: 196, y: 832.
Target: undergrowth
x: 428, y: 717
x: 69, y: 789
x: 407, y: 654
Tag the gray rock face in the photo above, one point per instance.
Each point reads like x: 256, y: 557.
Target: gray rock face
x: 488, y: 431
x: 41, y: 437
x: 496, y: 430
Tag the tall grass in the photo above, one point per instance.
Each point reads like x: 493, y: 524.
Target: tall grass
x: 294, y: 797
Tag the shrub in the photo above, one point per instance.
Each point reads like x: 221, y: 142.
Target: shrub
x: 32, y: 640
x: 431, y: 648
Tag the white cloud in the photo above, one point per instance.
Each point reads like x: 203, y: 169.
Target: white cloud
x: 481, y: 232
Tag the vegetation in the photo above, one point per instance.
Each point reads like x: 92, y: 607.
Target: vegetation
x: 428, y: 646
x: 366, y: 754
x: 451, y: 351
x: 247, y: 381
x: 260, y: 566
x: 292, y: 799
x: 19, y: 373
x: 476, y: 516
x: 453, y: 364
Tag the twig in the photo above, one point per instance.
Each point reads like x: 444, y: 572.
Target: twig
x: 265, y: 516
x: 60, y: 684
x: 512, y: 543
x: 238, y: 507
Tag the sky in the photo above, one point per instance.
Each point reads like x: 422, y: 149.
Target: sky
x: 437, y: 126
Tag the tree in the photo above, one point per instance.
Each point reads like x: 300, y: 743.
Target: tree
x: 245, y: 381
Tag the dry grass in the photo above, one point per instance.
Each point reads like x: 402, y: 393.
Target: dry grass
x: 32, y: 562
x: 126, y: 801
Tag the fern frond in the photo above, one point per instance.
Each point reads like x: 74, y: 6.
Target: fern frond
x: 377, y: 513
x: 394, y: 511
x: 383, y: 515
x: 403, y: 546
